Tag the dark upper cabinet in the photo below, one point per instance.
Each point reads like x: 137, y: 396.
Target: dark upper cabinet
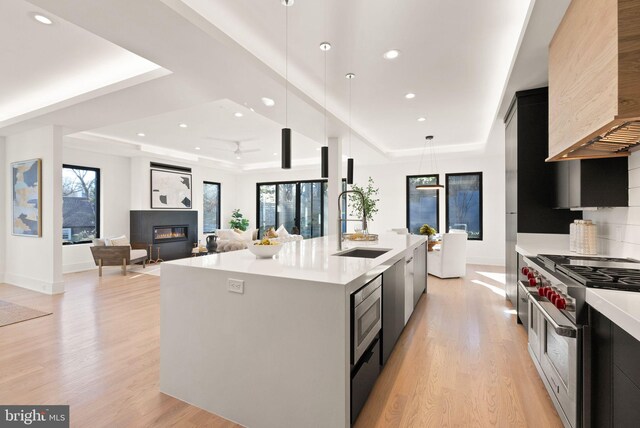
x: 592, y: 183
x: 530, y: 181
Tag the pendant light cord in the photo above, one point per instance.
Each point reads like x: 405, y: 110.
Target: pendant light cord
x: 286, y: 67
x: 325, y: 98
x: 424, y: 149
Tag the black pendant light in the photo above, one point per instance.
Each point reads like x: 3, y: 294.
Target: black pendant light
x: 433, y: 166
x: 286, y: 148
x: 286, y: 131
x: 324, y: 164
x: 324, y: 151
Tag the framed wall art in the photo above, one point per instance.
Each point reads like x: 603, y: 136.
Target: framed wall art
x: 27, y: 198
x: 170, y: 190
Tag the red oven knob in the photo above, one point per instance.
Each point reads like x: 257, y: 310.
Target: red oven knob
x: 533, y: 282
x: 525, y: 271
x: 531, y: 274
x: 561, y: 303
x: 541, y: 291
x: 554, y: 297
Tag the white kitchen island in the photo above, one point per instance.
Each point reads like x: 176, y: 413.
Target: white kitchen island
x: 277, y: 355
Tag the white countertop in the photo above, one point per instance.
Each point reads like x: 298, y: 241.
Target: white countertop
x: 533, y: 244
x: 621, y: 307
x: 309, y: 260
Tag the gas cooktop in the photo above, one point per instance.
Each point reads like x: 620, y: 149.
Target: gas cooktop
x: 598, y: 272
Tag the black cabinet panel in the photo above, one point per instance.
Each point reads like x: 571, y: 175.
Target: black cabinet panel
x: 613, y: 381
x: 592, y: 183
x: 393, y: 289
x: 626, y: 401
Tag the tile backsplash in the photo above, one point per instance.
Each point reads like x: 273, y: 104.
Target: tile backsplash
x: 619, y: 228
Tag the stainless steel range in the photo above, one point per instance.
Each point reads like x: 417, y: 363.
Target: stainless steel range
x: 554, y: 287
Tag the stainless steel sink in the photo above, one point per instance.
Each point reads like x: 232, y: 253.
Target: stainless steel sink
x: 364, y: 253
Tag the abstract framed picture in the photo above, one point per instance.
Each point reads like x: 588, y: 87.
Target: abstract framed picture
x: 27, y: 198
x: 170, y: 190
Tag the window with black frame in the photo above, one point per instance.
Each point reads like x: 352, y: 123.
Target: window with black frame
x: 80, y: 204
x: 422, y: 205
x: 300, y: 206
x: 211, y: 206
x: 464, y: 203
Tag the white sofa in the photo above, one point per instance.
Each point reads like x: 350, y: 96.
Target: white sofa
x: 450, y: 260
x: 228, y: 240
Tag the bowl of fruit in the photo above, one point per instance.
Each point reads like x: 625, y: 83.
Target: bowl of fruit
x: 265, y: 248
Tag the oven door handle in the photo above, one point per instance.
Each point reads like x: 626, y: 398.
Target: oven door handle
x: 560, y: 326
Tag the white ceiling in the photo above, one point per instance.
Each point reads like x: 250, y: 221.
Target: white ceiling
x: 46, y: 64
x: 455, y: 56
x: 211, y: 133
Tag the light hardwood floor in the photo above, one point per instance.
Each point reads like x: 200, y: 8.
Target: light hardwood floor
x: 461, y: 360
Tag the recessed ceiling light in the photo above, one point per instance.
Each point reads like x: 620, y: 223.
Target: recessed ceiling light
x: 317, y: 149
x: 350, y: 76
x: 238, y: 114
x: 410, y: 96
x: 275, y: 153
x: 197, y: 148
x: 238, y: 157
x: 182, y: 125
x: 42, y: 19
x: 268, y: 102
x: 287, y: 2
x: 325, y: 46
x: 421, y: 119
x: 141, y: 134
x: 251, y: 108
x: 391, y: 54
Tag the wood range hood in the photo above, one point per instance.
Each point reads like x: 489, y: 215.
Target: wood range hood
x: 594, y: 81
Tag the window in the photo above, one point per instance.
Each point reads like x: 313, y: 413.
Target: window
x: 422, y: 205
x: 464, y: 203
x: 211, y: 207
x: 298, y: 205
x: 80, y: 204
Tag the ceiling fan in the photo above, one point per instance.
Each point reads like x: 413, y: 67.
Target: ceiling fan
x: 237, y: 149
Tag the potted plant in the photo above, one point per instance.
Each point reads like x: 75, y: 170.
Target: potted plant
x: 238, y: 221
x: 430, y: 232
x: 370, y: 200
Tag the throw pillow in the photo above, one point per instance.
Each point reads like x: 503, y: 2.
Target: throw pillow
x: 120, y: 240
x: 99, y: 242
x: 271, y: 233
x: 282, y: 232
x: 246, y: 235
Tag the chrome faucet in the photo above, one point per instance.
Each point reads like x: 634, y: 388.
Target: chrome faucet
x: 341, y: 220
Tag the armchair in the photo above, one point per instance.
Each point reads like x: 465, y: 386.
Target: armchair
x: 451, y: 260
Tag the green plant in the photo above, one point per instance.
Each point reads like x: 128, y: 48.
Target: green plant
x: 427, y: 230
x: 370, y: 199
x: 238, y: 221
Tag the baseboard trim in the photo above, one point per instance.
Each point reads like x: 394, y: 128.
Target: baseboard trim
x: 79, y: 267
x: 34, y: 284
x: 485, y: 261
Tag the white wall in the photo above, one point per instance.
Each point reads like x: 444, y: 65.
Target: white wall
x: 3, y: 231
x: 115, y: 190
x: 36, y: 263
x: 391, y: 180
x: 141, y: 182
x: 619, y: 228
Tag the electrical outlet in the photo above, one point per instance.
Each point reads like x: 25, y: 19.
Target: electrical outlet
x: 235, y: 285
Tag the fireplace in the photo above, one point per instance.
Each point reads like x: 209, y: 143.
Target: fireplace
x: 170, y: 233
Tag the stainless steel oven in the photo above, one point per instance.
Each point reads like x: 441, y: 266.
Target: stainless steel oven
x: 554, y: 345
x: 366, y: 317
